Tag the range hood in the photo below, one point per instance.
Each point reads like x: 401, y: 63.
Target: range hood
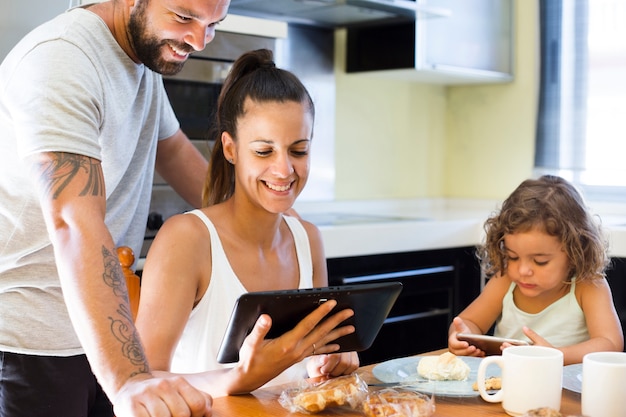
x: 336, y: 13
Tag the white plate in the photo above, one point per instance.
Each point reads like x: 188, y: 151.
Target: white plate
x: 404, y: 371
x: 573, y: 377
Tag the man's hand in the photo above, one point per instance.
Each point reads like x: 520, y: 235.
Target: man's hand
x: 169, y: 396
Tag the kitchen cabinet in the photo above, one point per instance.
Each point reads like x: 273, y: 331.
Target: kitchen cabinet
x: 333, y: 13
x: 437, y: 285
x: 472, y: 44
x: 616, y: 276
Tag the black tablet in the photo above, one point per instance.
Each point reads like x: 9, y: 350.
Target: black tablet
x: 371, y: 304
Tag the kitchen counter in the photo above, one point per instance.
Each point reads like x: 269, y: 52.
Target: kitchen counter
x: 354, y: 228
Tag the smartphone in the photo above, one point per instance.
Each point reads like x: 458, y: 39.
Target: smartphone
x: 489, y: 344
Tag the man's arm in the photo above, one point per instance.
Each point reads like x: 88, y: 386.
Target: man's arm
x: 182, y: 166
x: 72, y: 195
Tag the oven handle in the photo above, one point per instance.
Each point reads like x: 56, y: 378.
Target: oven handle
x: 417, y: 316
x: 398, y: 274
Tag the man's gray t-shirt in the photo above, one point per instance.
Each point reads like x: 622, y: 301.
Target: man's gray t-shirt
x: 69, y: 87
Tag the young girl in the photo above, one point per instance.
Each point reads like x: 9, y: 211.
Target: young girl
x: 202, y: 261
x: 546, y: 256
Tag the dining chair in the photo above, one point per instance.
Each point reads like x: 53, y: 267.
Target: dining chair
x: 133, y: 283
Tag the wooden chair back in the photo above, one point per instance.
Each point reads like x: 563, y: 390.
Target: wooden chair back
x: 127, y: 258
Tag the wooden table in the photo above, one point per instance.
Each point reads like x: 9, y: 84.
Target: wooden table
x: 264, y: 402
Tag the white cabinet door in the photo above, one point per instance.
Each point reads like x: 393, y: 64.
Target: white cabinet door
x: 475, y: 38
x: 471, y: 43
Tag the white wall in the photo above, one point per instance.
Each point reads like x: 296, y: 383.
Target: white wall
x: 490, y: 130
x: 18, y: 17
x: 390, y: 136
x: 398, y: 139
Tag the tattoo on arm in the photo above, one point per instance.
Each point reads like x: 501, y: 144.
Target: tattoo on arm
x: 122, y: 327
x: 113, y: 275
x: 58, y: 173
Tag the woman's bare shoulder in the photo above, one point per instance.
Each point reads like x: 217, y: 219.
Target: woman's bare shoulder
x: 310, y: 228
x: 180, y: 223
x: 183, y: 227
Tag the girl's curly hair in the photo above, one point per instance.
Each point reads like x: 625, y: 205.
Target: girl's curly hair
x: 554, y: 206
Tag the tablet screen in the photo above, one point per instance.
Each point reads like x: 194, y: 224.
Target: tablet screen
x: 371, y: 304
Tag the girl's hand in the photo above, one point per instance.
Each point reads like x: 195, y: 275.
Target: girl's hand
x: 535, y: 338
x: 335, y: 364
x: 461, y: 347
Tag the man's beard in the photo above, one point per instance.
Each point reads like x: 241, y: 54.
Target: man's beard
x: 148, y: 47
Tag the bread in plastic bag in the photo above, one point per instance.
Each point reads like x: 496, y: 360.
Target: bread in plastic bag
x: 344, y: 391
x: 392, y: 402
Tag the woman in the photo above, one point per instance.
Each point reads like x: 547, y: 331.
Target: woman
x: 241, y: 241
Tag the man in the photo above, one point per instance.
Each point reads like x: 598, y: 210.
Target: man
x: 84, y: 119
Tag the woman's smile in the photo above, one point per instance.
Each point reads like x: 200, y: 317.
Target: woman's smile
x: 278, y: 187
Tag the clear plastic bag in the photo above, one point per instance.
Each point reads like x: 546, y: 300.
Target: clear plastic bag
x: 397, y: 402
x: 344, y: 391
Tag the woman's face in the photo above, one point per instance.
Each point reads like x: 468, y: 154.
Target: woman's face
x: 272, y: 152
x: 536, y: 261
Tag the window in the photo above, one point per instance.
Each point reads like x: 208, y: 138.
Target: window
x: 581, y: 124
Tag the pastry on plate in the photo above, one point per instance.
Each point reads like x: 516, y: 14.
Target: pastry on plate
x: 445, y: 367
x: 491, y: 383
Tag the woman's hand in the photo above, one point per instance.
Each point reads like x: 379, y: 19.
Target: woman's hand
x: 313, y: 335
x: 335, y: 364
x: 461, y: 347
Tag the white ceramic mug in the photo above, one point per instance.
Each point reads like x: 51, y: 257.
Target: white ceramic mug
x: 604, y: 378
x: 532, y: 377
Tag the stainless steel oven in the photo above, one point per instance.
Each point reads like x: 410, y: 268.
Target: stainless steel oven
x: 193, y: 93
